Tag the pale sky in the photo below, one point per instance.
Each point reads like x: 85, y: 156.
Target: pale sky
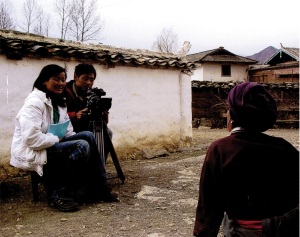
x: 242, y: 27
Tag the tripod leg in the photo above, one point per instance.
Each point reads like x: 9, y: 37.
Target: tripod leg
x: 99, y: 138
x: 113, y: 154
x: 101, y: 147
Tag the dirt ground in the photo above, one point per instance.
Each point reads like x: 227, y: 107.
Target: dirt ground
x: 158, y: 198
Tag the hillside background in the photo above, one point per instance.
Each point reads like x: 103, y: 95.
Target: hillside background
x: 263, y: 55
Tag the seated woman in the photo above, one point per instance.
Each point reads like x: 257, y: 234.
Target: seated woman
x: 71, y: 165
x: 250, y: 176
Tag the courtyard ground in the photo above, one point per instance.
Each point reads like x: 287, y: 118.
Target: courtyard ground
x: 158, y: 198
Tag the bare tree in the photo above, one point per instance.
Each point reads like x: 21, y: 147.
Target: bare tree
x: 31, y: 13
x: 47, y: 25
x: 64, y: 10
x: 6, y: 20
x: 42, y: 25
x: 166, y: 42
x: 86, y: 24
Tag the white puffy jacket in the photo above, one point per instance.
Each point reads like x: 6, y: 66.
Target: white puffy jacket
x: 30, y: 140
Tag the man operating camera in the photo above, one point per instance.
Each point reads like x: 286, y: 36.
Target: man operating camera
x: 78, y: 93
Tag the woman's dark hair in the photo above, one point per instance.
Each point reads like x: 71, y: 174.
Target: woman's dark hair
x: 84, y: 68
x: 46, y: 73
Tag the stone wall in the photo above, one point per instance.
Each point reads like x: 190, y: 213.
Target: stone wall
x: 209, y: 102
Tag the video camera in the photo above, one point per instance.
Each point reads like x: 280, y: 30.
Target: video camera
x: 95, y: 104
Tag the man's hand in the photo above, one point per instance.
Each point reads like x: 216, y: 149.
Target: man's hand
x: 105, y: 116
x: 82, y: 113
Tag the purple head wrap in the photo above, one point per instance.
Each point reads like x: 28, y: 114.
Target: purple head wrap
x: 252, y: 107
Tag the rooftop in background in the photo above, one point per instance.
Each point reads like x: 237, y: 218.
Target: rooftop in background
x: 220, y: 55
x: 282, y: 55
x: 281, y: 66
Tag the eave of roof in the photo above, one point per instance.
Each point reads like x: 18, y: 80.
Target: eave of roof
x: 292, y: 64
x: 292, y: 52
x: 17, y: 45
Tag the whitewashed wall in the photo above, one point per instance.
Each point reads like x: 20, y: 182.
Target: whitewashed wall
x: 151, y: 108
x: 213, y: 72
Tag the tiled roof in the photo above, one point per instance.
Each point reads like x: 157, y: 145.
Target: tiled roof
x: 16, y: 45
x: 219, y: 55
x: 292, y: 52
x: 198, y: 56
x: 230, y: 84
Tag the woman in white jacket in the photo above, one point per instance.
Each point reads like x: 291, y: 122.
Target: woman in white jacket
x: 70, y: 165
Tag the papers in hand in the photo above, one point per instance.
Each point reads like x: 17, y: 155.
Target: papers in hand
x: 59, y: 129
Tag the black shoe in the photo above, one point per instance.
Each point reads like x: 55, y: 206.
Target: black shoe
x: 101, y: 196
x: 63, y: 203
x: 105, y: 194
x: 109, y: 197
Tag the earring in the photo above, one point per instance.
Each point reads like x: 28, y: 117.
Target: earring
x: 231, y: 121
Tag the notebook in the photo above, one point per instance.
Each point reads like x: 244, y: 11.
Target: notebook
x: 59, y: 129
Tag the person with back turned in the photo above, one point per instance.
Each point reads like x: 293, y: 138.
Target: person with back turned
x: 249, y: 180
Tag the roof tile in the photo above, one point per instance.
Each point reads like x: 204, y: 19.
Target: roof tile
x: 219, y: 55
x: 16, y: 45
x: 231, y: 84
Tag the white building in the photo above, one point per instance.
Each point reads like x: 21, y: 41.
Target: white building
x: 219, y: 65
x: 151, y: 92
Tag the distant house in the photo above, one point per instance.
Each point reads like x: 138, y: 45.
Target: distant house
x: 219, y: 65
x: 151, y: 91
x: 282, y: 66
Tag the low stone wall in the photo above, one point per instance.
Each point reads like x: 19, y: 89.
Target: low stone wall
x: 209, y: 102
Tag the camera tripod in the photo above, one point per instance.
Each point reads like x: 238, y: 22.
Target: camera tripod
x: 99, y: 129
